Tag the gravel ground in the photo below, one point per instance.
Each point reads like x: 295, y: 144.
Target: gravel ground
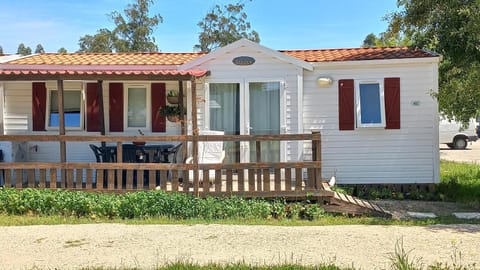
x: 146, y: 246
x: 471, y: 154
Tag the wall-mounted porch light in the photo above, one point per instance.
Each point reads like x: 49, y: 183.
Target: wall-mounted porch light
x: 324, y: 81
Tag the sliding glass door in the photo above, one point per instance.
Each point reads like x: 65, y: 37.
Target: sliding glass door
x: 246, y: 108
x: 264, y: 117
x: 224, y: 109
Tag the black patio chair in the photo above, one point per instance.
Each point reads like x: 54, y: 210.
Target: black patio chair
x: 102, y: 154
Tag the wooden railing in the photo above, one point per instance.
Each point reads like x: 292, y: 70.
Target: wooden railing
x: 257, y: 179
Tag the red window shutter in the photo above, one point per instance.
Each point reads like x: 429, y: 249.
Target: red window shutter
x: 93, y: 108
x: 392, y: 103
x: 346, y: 104
x: 39, y: 105
x: 159, y: 123
x: 116, y: 107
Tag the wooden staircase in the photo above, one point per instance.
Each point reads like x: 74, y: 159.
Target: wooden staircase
x: 349, y: 205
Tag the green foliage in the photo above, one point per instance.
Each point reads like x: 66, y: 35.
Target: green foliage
x: 102, y: 41
x: 151, y: 204
x: 172, y: 93
x: 170, y: 110
x: 386, y: 39
x: 401, y: 259
x: 39, y: 49
x: 23, y: 50
x: 1, y: 50
x: 224, y: 25
x: 132, y: 33
x: 62, y: 50
x: 448, y: 27
x: 459, y: 182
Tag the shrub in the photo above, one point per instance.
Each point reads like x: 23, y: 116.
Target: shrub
x: 146, y: 204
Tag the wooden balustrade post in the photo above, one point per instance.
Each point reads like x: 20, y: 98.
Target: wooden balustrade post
x: 317, y: 156
x: 195, y: 137
x: 61, y: 128
x: 258, y: 154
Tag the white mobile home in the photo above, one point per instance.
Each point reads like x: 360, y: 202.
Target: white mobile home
x: 372, y: 106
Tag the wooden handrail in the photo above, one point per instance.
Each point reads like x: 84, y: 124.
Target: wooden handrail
x: 111, y: 138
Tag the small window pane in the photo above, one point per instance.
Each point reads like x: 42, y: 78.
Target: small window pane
x: 137, y: 107
x: 370, y: 104
x: 72, y: 103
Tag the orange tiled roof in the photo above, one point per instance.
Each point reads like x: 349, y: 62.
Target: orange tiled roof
x: 324, y: 55
x: 107, y: 59
x: 356, y: 54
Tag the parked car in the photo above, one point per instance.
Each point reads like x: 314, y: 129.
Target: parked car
x: 455, y: 136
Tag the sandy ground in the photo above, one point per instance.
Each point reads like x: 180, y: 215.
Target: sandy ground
x: 146, y: 246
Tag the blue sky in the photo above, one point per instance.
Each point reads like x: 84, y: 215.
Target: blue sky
x: 282, y: 24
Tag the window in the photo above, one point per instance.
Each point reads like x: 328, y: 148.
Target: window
x: 136, y: 107
x: 370, y: 105
x: 73, y: 109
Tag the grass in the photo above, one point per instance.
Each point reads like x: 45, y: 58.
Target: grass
x: 460, y: 182
x: 234, y: 266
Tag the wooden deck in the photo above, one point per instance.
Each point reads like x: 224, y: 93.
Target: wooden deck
x: 291, y: 180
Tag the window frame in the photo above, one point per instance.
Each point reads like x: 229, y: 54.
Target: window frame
x: 82, y: 110
x: 148, y: 111
x: 358, y: 105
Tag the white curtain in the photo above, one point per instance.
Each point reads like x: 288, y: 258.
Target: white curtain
x: 224, y: 106
x: 265, y: 118
x: 137, y: 107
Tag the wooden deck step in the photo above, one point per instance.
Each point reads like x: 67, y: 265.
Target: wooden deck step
x: 346, y: 204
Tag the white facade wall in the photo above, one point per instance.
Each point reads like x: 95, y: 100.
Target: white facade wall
x: 265, y: 68
x: 376, y: 155
x: 364, y: 155
x: 18, y: 120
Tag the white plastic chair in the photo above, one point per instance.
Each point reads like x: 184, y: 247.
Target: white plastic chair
x: 209, y: 152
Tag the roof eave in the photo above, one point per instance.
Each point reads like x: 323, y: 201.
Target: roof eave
x: 246, y: 43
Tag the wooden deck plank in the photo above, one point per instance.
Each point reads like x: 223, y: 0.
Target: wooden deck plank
x: 266, y: 180
x: 42, y: 181
x: 288, y: 179
x: 298, y: 178
x: 278, y: 180
x: 229, y: 183
x: 218, y: 180
x: 251, y: 180
x: 241, y: 180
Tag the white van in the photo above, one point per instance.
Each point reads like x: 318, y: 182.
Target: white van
x: 454, y: 136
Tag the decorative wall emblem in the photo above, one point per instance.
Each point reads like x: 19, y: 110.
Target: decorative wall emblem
x: 243, y: 60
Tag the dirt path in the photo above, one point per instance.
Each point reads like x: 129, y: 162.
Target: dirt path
x: 145, y: 246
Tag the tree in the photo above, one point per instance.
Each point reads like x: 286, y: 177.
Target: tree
x: 1, y: 50
x: 132, y: 33
x: 62, y: 50
x: 39, y: 49
x: 102, y: 41
x: 22, y: 50
x: 370, y: 41
x: 386, y: 39
x: 224, y: 25
x: 448, y: 27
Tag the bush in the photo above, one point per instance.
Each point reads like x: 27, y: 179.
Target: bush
x: 146, y: 204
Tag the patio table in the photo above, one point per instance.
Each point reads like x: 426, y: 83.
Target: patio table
x: 148, y: 153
